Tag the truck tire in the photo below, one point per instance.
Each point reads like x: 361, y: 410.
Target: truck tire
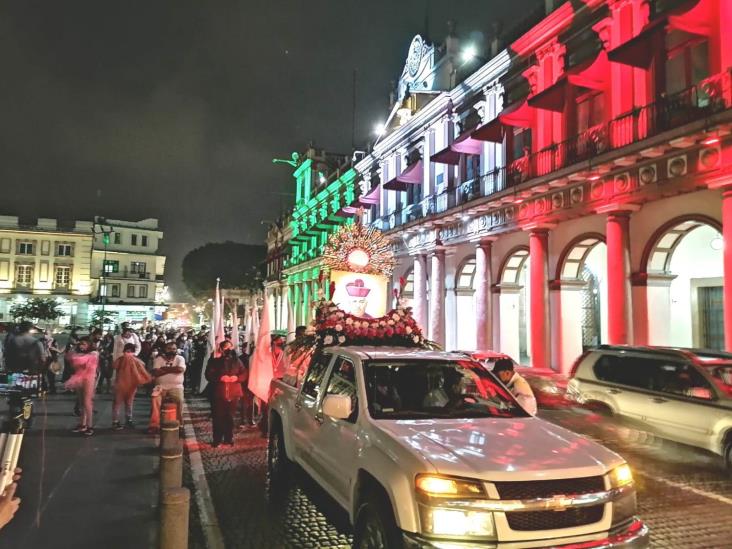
x: 375, y: 525
x: 728, y: 457
x: 279, y: 467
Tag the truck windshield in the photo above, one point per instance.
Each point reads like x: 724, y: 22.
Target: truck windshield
x: 419, y: 389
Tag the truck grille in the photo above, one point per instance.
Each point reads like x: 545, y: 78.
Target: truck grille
x: 548, y: 488
x: 551, y: 520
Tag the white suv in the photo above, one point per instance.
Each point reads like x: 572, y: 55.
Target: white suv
x: 683, y: 395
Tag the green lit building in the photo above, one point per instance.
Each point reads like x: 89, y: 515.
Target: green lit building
x: 325, y: 189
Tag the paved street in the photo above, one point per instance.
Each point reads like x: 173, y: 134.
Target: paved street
x: 85, y: 492
x: 684, y: 495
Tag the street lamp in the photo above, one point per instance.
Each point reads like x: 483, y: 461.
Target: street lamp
x: 469, y: 53
x: 379, y: 129
x: 105, y: 232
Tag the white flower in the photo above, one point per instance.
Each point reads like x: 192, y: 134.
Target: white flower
x: 310, y: 330
x: 338, y: 328
x: 382, y: 323
x: 395, y: 316
x: 390, y: 323
x: 349, y: 321
x: 341, y: 339
x: 339, y: 314
x: 408, y: 330
x: 415, y: 339
x: 327, y: 340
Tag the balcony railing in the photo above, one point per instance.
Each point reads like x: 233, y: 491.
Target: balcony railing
x: 125, y: 273
x: 709, y: 97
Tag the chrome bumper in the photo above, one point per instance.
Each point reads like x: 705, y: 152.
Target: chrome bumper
x: 631, y: 535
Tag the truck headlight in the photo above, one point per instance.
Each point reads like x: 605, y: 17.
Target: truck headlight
x: 621, y: 476
x: 456, y: 522
x: 437, y: 486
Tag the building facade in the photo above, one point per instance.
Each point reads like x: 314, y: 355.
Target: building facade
x: 127, y: 270
x: 574, y: 190
x: 325, y: 189
x: 275, y: 283
x: 46, y: 259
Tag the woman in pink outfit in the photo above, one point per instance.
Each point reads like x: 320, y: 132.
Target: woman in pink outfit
x: 84, y: 362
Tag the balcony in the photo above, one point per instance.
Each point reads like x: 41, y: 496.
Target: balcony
x: 131, y: 275
x: 709, y: 97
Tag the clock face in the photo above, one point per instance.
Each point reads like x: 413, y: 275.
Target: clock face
x: 415, y: 56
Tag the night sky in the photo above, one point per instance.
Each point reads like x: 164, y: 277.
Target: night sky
x: 174, y: 110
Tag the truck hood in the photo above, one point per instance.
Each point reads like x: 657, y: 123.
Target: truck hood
x: 501, y: 449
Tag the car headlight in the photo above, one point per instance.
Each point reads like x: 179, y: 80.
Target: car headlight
x: 621, y: 476
x: 457, y: 522
x: 436, y: 486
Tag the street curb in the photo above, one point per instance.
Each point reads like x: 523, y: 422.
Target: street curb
x: 209, y: 522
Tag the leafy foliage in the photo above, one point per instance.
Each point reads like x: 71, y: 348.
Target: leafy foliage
x: 110, y: 317
x: 36, y: 309
x: 240, y: 266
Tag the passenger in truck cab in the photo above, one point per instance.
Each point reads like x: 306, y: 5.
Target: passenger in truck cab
x: 386, y: 398
x: 519, y: 387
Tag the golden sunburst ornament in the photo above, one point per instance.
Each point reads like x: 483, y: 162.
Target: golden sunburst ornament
x: 359, y: 249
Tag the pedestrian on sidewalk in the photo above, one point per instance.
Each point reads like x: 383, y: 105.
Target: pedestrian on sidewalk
x: 246, y: 402
x: 84, y: 362
x: 168, y: 371
x: 128, y: 335
x: 226, y: 373
x: 131, y: 373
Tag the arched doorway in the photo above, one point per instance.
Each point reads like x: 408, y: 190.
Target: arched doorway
x: 514, y: 306
x: 584, y: 266
x: 685, y: 272
x: 465, y: 297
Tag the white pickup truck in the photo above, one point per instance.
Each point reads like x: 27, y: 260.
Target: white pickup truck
x: 428, y: 449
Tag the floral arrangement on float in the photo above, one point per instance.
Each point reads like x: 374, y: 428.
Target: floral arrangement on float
x: 361, y: 260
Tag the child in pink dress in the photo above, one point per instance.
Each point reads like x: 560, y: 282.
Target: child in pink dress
x: 84, y: 362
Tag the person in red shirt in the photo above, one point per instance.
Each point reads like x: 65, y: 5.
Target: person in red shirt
x: 226, y: 374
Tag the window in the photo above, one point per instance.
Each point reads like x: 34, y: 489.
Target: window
x: 114, y: 290
x: 118, y: 238
x: 25, y: 248
x: 133, y: 239
x: 103, y: 290
x: 682, y: 380
x: 111, y: 266
x: 343, y: 382
x: 687, y: 60
x: 521, y: 142
x: 24, y: 275
x: 314, y: 377
x: 4, y: 245
x: 138, y: 267
x: 62, y: 276
x: 466, y: 276
x: 142, y: 291
x: 130, y: 290
x: 144, y: 240
x: 64, y: 250
x: 590, y: 111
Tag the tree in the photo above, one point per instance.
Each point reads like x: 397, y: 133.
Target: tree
x: 36, y: 309
x: 239, y: 266
x: 110, y: 317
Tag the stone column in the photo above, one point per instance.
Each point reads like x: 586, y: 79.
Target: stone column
x: 538, y: 304
x: 437, y: 297
x: 419, y: 304
x: 651, y: 298
x: 483, y: 296
x: 618, y: 277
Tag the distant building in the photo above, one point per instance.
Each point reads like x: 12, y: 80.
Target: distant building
x: 275, y: 284
x: 46, y: 259
x: 127, y: 273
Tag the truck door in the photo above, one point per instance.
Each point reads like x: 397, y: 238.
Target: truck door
x: 306, y: 419
x: 335, y: 445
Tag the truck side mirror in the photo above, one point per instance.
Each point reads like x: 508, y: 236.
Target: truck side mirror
x: 337, y: 406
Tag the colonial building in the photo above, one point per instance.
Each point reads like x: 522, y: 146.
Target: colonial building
x: 127, y: 270
x: 574, y: 190
x: 325, y: 187
x: 275, y: 284
x: 46, y: 259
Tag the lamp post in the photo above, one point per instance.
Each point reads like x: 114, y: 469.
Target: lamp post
x: 105, y: 232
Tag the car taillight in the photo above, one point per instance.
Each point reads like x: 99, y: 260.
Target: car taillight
x: 577, y: 362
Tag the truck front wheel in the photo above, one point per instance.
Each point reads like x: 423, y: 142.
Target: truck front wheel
x: 278, y: 466
x: 375, y: 525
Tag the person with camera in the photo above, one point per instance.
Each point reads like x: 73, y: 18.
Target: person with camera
x: 226, y: 374
x: 168, y: 371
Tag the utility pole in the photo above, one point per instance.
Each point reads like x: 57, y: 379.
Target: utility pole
x: 105, y: 232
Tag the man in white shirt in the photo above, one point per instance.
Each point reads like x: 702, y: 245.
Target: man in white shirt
x: 519, y: 387
x: 128, y: 335
x: 169, y: 372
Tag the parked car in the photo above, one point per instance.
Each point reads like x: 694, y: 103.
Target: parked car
x: 428, y: 449
x: 683, y: 395
x: 550, y: 387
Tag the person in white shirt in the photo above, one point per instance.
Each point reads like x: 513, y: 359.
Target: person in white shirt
x: 519, y: 387
x: 169, y: 373
x: 128, y: 335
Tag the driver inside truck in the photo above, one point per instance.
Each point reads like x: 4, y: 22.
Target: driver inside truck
x: 385, y: 397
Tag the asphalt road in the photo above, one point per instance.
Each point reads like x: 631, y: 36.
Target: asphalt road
x: 684, y: 495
